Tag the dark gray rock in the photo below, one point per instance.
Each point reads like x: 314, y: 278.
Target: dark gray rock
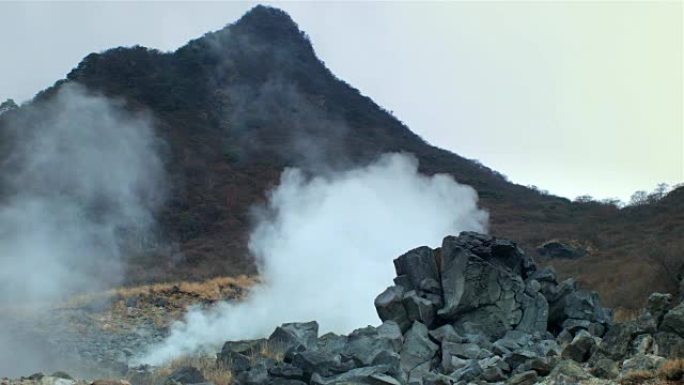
x: 446, y: 333
x: 244, y: 347
x: 519, y: 357
x: 525, y: 378
x: 605, y: 368
x: 453, y: 261
x: 391, y: 361
x: 641, y: 362
x: 285, y: 381
x: 673, y: 321
x: 464, y: 350
x: 545, y: 274
x: 417, y: 265
x: 578, y: 305
x: 557, y: 249
x: 567, y: 372
x: 419, y: 309
x: 390, y: 307
x: 286, y: 371
x: 366, y: 343
x: 332, y: 343
x: 471, y: 371
x: 535, y: 313
x: 580, y: 348
x: 371, y: 375
x: 186, y: 375
x: 494, y: 369
x: 646, y: 323
x: 541, y: 365
x: 256, y: 375
x: 669, y: 345
x: 417, y: 348
x: 314, y: 361
x: 292, y: 335
x: 658, y: 304
x: 432, y: 378
x: 616, y: 343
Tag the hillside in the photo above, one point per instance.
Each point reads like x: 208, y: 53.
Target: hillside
x: 238, y: 105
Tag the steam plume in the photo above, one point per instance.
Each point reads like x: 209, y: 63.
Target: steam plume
x: 81, y: 184
x: 324, y: 247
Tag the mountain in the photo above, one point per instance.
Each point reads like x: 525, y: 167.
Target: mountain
x: 238, y: 105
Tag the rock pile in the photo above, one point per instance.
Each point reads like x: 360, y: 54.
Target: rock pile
x: 476, y: 310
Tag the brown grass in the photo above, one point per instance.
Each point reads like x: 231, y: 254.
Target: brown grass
x: 214, y: 371
x: 637, y: 377
x: 212, y: 289
x: 672, y: 370
x: 622, y: 314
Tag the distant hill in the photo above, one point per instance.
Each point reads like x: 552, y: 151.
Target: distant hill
x: 238, y: 105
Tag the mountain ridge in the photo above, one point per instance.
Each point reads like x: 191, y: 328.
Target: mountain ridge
x: 238, y: 105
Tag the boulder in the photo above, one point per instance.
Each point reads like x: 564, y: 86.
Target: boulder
x: 606, y: 368
x: 417, y: 348
x: 186, y: 375
x: 669, y: 345
x: 673, y: 321
x: 580, y: 348
x: 315, y: 361
x: 417, y: 265
x: 390, y: 307
x: 616, y: 343
x: 641, y: 362
x: 535, y: 313
x: 558, y: 249
x: 292, y: 335
x: 364, y: 344
x: 332, y: 343
x: 446, y: 333
x: 419, y: 309
x: 525, y: 378
x: 658, y: 304
x: 370, y: 375
x: 567, y: 372
x: 469, y: 372
x: 546, y: 274
x: 286, y: 371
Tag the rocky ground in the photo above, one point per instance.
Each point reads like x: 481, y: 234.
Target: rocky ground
x: 477, y: 310
x: 96, y: 334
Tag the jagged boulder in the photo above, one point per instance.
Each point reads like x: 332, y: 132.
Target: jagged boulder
x: 483, y: 289
x: 417, y: 348
x: 475, y: 310
x: 293, y: 335
x: 673, y: 320
x: 186, y: 375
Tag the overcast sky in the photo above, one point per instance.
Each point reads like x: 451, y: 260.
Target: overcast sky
x: 576, y: 98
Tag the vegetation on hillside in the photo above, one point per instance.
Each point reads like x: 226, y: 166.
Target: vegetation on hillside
x: 238, y: 105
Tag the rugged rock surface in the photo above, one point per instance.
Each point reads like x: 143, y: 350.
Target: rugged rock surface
x: 475, y: 310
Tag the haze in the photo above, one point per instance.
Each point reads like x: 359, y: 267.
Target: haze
x: 576, y: 98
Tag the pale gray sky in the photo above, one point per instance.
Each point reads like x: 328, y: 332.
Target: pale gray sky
x: 574, y: 97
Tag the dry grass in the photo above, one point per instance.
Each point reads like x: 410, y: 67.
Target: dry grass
x: 637, y: 377
x: 211, y: 290
x: 672, y: 370
x: 212, y: 370
x: 272, y: 351
x: 622, y: 314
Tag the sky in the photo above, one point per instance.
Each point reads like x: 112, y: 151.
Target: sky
x: 573, y: 97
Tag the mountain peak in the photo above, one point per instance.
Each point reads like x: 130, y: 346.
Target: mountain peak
x: 268, y: 22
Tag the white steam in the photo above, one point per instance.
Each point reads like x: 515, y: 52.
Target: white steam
x: 325, y: 246
x: 81, y: 182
